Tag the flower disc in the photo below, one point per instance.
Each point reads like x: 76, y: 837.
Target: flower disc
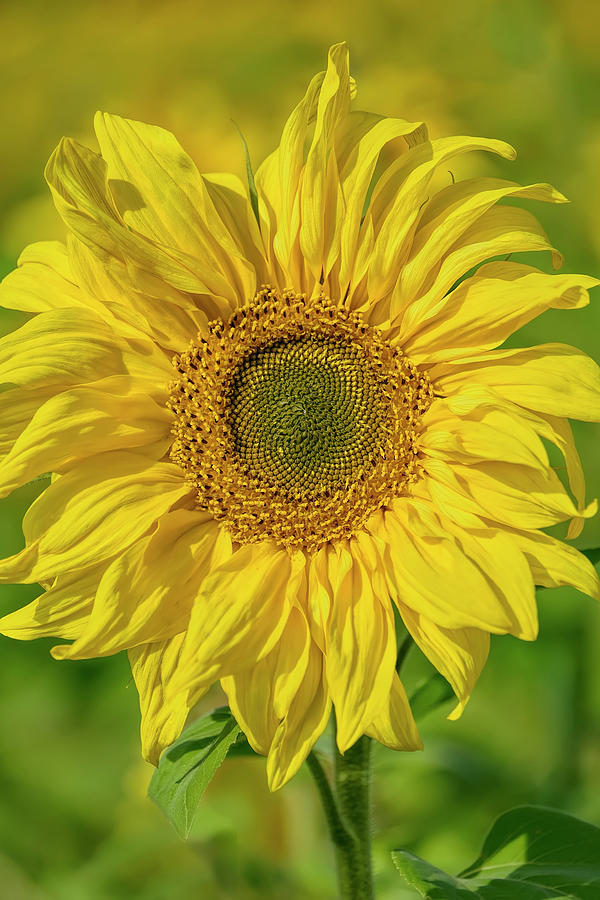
x: 296, y: 420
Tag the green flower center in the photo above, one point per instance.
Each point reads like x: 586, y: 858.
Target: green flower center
x: 307, y: 414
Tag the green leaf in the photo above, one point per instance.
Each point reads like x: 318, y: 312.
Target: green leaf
x: 531, y: 853
x: 187, y: 767
x: 429, y: 881
x: 250, y: 175
x: 428, y: 696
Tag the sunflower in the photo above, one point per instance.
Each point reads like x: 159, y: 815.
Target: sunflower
x: 278, y: 417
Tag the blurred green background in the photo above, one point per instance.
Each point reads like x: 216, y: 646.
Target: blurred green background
x: 74, y: 820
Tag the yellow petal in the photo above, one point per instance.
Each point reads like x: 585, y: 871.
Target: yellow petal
x: 43, y: 281
x: 429, y: 572
x: 551, y: 378
x: 17, y: 408
x: 488, y: 433
x: 160, y: 194
x: 449, y: 494
x: 79, y: 183
x: 560, y: 433
x: 65, y: 347
x: 60, y: 347
x: 447, y: 216
x: 240, y: 612
x: 498, y: 232
x: 61, y: 611
x: 92, y: 513
x: 360, y: 642
x: 250, y: 700
x: 458, y: 654
x: 51, y: 276
x: 321, y: 200
x: 500, y: 558
x: 399, y: 196
x: 367, y: 136
x: 305, y: 721
x: 164, y: 710
x: 146, y: 594
x: 556, y: 564
x: 136, y: 298
x: 261, y: 695
x: 520, y: 496
x: 109, y: 415
x: 232, y: 204
x: 488, y: 307
x: 394, y: 726
x: 446, y: 437
x: 278, y: 182
x: 357, y: 295
x: 320, y: 595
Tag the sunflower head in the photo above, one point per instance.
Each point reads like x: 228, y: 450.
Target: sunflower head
x: 279, y: 424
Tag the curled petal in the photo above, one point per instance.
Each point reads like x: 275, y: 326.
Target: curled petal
x: 164, y: 710
x: 239, y: 613
x: 91, y: 514
x: 551, y: 378
x: 360, y: 645
x: 303, y: 723
x: 61, y: 611
x: 261, y: 696
x: 394, y: 726
x: 147, y: 592
x: 113, y: 415
x: 458, y: 653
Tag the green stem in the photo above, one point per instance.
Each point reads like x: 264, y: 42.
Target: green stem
x: 341, y: 838
x: 353, y: 788
x: 347, y: 811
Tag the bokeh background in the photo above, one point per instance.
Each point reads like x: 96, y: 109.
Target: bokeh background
x: 74, y: 820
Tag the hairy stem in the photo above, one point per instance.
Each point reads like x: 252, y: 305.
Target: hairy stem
x: 353, y: 789
x: 347, y: 811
